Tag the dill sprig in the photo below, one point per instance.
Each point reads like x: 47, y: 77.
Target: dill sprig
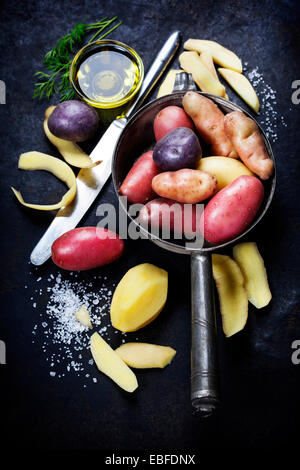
x: 57, y: 61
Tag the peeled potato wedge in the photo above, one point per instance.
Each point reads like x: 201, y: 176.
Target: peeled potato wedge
x: 110, y: 363
x: 145, y: 355
x: 253, y: 269
x: 168, y: 84
x: 139, y: 297
x: 242, y: 86
x: 207, y: 60
x: 232, y: 294
x: 220, y: 54
x: 83, y: 316
x: 224, y: 169
x: 191, y: 63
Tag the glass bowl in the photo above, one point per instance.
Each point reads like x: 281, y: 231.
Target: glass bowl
x: 96, y: 49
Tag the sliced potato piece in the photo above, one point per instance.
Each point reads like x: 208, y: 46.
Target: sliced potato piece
x: 207, y: 60
x: 41, y: 161
x: 232, y: 294
x: 70, y: 151
x: 168, y: 84
x: 83, y: 316
x: 145, y: 355
x: 191, y: 63
x: 220, y: 54
x: 139, y: 297
x: 224, y: 169
x: 253, y: 268
x: 108, y: 362
x: 242, y: 86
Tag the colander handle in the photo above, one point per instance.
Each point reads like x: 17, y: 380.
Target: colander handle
x: 204, y: 383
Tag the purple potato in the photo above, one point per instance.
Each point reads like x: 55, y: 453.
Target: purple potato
x: 178, y: 149
x: 73, y: 120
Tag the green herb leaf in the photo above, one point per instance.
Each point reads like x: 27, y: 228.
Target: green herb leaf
x: 57, y: 61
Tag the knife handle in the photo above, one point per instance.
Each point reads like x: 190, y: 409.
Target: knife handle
x: 157, y: 68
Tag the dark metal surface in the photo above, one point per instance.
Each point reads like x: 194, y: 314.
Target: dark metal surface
x: 259, y: 384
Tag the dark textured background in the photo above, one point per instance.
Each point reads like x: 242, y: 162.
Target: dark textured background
x: 259, y: 384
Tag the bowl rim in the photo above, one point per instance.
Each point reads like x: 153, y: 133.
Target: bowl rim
x: 173, y: 246
x: 112, y: 104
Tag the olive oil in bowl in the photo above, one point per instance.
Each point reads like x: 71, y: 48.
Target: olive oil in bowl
x: 107, y: 74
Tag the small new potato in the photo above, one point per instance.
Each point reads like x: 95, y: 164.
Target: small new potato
x: 187, y: 186
x: 209, y: 122
x: 232, y: 209
x: 224, y: 169
x: 73, y: 120
x: 169, y: 119
x: 86, y: 248
x: 248, y: 142
x: 178, y: 149
x: 171, y: 216
x: 137, y: 184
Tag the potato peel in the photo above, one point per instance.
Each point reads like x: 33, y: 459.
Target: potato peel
x: 41, y: 161
x: 70, y: 151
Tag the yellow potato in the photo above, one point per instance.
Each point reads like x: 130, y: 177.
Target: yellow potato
x: 108, y: 362
x: 145, y: 355
x: 139, y: 297
x: 191, y: 63
x: 232, y: 294
x: 252, y: 266
x: 220, y: 54
x: 242, y: 86
x: 224, y: 169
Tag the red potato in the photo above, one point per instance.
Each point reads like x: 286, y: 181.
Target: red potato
x: 248, y: 142
x: 187, y: 186
x: 209, y: 122
x: 86, y: 248
x: 137, y: 184
x: 232, y: 209
x: 170, y: 118
x: 161, y: 213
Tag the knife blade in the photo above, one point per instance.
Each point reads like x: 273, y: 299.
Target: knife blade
x: 91, y: 181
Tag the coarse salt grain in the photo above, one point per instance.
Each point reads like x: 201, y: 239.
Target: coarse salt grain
x: 66, y: 342
x: 268, y: 117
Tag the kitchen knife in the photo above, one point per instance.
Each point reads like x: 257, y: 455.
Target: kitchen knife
x: 91, y: 181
